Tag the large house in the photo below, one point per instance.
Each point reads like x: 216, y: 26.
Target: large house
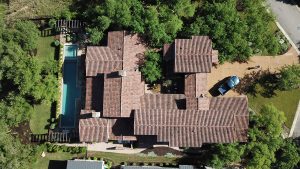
x: 117, y: 107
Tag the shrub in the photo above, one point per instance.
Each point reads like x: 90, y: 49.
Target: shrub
x: 151, y: 154
x: 56, y: 43
x: 151, y: 69
x: 169, y: 155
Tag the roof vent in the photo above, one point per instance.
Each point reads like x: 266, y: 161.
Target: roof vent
x: 122, y: 73
x: 95, y: 114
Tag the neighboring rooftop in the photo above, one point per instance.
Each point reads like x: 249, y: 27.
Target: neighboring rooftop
x: 156, y: 167
x: 85, y: 164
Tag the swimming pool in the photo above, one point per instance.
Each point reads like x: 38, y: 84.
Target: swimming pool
x: 70, y: 51
x: 71, y: 92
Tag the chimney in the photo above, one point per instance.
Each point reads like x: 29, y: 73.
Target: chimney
x: 95, y: 114
x: 122, y: 73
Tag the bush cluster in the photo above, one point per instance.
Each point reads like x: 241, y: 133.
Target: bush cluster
x: 52, y: 148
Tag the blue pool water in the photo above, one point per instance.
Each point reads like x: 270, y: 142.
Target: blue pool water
x: 70, y: 51
x: 71, y: 92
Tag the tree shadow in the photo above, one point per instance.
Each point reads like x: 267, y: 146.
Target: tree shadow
x: 261, y: 82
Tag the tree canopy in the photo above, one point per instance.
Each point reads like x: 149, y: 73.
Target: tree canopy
x: 238, y: 29
x: 289, y: 77
x: 151, y: 69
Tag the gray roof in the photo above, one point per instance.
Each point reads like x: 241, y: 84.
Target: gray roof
x: 84, y: 164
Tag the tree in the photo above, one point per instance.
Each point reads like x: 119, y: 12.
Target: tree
x: 226, y: 154
x: 289, y: 77
x: 223, y: 24
x: 26, y: 34
x: 14, y: 154
x: 288, y: 156
x: 151, y: 69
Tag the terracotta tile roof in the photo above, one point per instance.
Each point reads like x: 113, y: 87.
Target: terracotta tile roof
x: 93, y: 130
x: 112, y: 97
x: 226, y: 121
x: 162, y: 101
x: 186, y: 128
x: 132, y: 90
x: 122, y: 94
x: 101, y: 60
x: 133, y: 51
x: 193, y: 55
x: 94, y: 93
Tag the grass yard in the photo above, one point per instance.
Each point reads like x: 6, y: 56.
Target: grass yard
x: 286, y: 101
x: 39, y: 118
x: 43, y: 163
x: 118, y: 158
x: 44, y: 50
x: 42, y: 112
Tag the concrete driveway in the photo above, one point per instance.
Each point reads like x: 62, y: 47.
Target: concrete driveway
x: 288, y: 16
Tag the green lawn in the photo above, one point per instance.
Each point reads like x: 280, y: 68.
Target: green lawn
x: 285, y: 101
x: 38, y: 120
x: 118, y: 158
x: 43, y: 162
x: 42, y: 112
x: 44, y: 50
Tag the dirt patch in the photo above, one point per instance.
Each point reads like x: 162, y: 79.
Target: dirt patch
x: 22, y: 131
x: 161, y: 151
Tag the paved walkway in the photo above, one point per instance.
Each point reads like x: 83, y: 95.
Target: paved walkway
x: 107, y: 147
x: 272, y: 63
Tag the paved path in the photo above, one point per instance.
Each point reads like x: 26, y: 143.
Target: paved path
x: 288, y: 16
x: 107, y: 147
x: 272, y: 63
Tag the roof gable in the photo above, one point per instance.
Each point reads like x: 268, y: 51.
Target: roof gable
x: 193, y: 55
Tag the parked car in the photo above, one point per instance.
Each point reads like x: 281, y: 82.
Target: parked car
x: 228, y: 85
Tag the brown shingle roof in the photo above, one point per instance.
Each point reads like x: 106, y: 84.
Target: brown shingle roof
x: 193, y: 55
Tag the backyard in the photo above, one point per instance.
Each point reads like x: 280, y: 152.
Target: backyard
x: 40, y: 118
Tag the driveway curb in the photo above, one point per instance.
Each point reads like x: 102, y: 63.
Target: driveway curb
x: 288, y: 37
x: 295, y: 121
